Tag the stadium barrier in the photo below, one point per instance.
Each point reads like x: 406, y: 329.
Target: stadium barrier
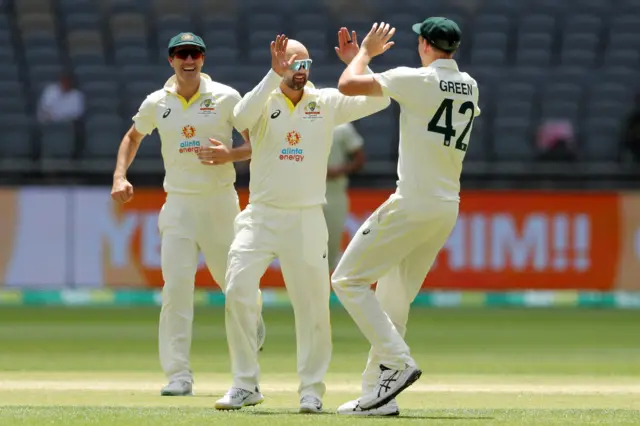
x: 62, y: 238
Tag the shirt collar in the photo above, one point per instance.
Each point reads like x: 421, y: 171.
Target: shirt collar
x: 445, y: 63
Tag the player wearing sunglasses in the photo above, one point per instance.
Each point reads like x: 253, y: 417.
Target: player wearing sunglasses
x: 192, y: 114
x: 291, y: 127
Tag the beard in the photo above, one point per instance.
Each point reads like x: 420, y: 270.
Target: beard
x: 296, y: 84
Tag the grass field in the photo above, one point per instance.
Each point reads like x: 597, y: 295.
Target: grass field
x: 99, y: 366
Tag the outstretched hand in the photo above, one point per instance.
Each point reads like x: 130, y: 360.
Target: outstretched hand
x: 377, y: 41
x: 279, y: 61
x: 347, y: 45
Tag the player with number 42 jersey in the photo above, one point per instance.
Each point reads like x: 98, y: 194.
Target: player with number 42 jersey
x: 399, y: 242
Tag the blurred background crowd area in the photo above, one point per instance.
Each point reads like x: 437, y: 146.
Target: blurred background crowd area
x: 558, y: 80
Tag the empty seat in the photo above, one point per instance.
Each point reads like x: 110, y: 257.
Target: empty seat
x: 89, y: 73
x: 601, y: 140
x: 582, y: 24
x: 170, y: 7
x: 33, y: 6
x: 580, y: 42
x: 103, y: 104
x: 103, y: 133
x: 79, y: 6
x: 624, y: 75
x: 533, y: 57
x: 131, y: 73
x: 220, y: 38
x: 84, y: 40
x: 621, y: 40
x: 562, y: 91
x: 57, y: 140
x: 129, y: 55
x: 82, y: 21
x: 534, y: 41
x: 491, y: 22
x: 36, y: 21
x: 42, y: 56
x: 39, y: 38
x: 519, y: 91
x: 87, y: 58
x: 174, y: 22
x: 625, y: 24
x: 560, y: 110
x: 126, y: 24
x: 622, y: 57
x: 273, y: 22
x: 508, y: 108
x: 512, y: 139
x: 223, y: 55
x: 537, y: 24
x: 578, y: 57
x: 488, y: 57
x: 16, y: 132
x: 320, y: 23
x: 490, y: 41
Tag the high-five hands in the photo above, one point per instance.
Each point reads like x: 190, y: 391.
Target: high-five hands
x: 347, y: 45
x: 377, y: 41
x: 279, y: 61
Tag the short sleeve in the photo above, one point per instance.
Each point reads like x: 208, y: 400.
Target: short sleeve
x: 400, y: 83
x: 145, y: 120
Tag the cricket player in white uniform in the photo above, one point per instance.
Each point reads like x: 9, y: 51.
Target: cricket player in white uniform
x: 346, y: 157
x: 193, y: 115
x: 397, y: 245
x: 290, y: 125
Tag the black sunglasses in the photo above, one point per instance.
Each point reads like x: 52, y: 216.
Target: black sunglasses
x: 185, y: 53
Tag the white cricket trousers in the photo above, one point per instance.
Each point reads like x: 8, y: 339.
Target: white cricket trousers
x: 396, y: 247
x: 189, y: 224
x: 298, y: 238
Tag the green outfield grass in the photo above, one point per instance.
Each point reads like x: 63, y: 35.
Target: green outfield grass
x: 99, y: 366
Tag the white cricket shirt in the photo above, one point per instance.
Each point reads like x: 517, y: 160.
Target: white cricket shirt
x: 290, y: 144
x: 437, y: 106
x: 186, y: 126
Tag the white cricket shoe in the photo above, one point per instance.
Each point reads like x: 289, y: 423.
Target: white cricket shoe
x: 352, y: 408
x: 390, y: 384
x: 310, y: 404
x: 262, y: 333
x: 236, y: 398
x: 180, y: 387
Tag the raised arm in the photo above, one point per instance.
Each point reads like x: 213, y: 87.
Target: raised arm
x: 356, y: 78
x: 248, y: 111
x: 349, y: 107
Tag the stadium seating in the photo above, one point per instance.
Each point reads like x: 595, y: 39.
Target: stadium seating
x: 533, y: 59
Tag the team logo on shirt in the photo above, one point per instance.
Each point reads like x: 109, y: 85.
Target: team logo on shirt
x: 291, y: 153
x: 312, y: 110
x: 189, y: 132
x: 208, y: 106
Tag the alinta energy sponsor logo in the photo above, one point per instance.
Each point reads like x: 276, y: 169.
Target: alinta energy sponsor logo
x: 189, y: 132
x: 291, y: 153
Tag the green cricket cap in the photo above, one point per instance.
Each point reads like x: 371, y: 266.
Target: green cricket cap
x: 184, y: 39
x: 440, y: 32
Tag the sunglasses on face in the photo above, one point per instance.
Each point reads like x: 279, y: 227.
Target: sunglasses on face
x: 301, y: 64
x: 185, y: 53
